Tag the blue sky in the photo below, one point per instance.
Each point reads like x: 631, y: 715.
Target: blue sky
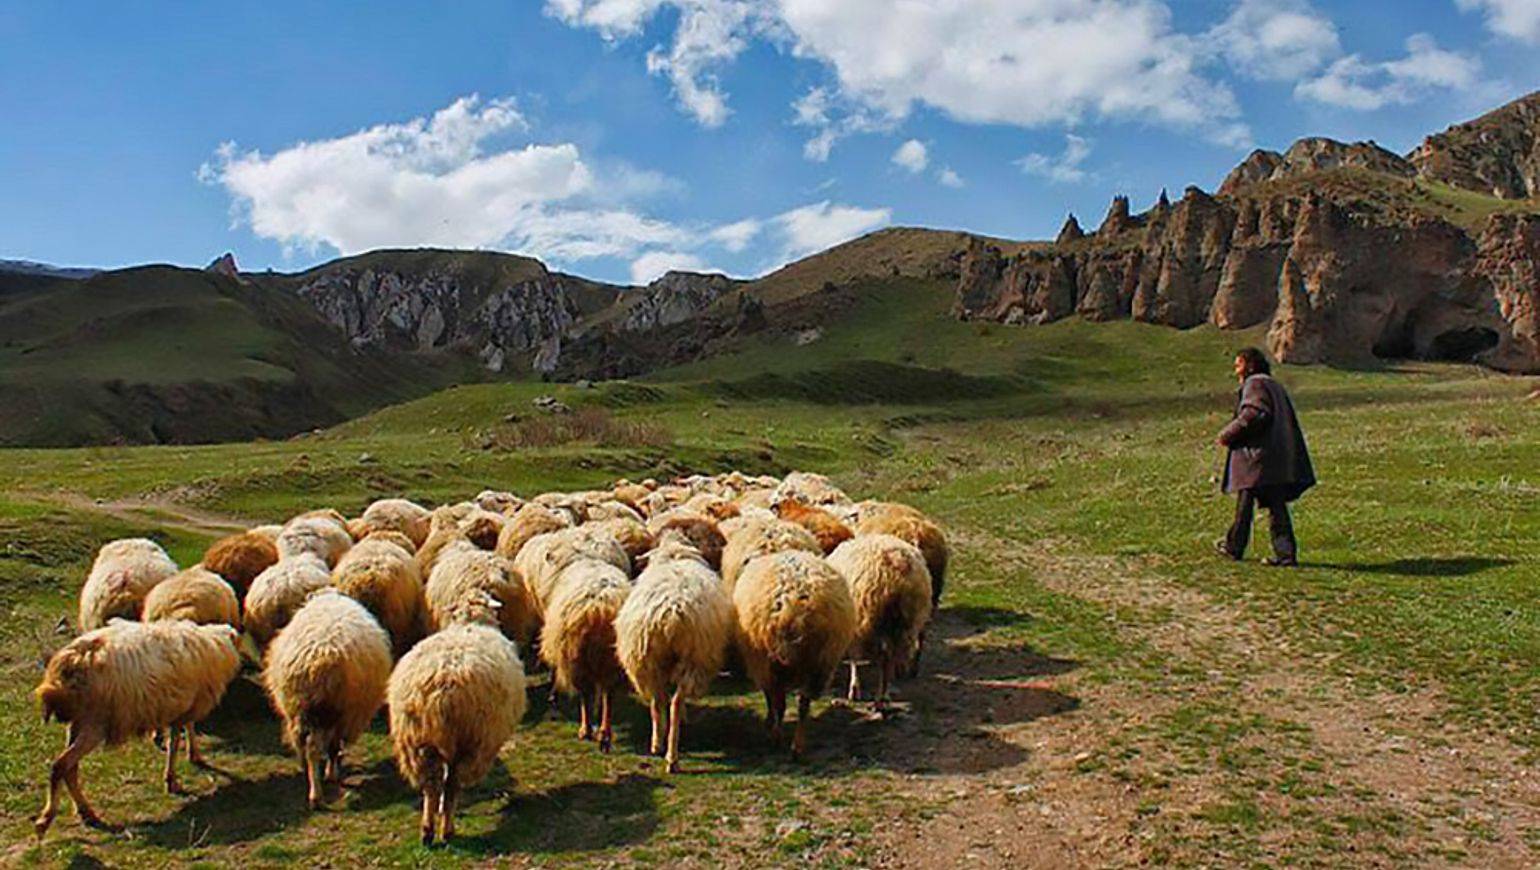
x: 617, y: 138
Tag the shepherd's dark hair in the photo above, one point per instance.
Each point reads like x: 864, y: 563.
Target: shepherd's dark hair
x: 1256, y: 361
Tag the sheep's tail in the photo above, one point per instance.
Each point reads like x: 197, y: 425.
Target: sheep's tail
x: 597, y: 663
x: 55, y: 702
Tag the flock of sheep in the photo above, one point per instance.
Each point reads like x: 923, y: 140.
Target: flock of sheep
x: 425, y: 612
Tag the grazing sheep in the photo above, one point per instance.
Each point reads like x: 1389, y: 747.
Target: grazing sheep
x: 464, y: 572
x: 123, y: 574
x: 712, y: 505
x: 269, y: 531
x: 128, y: 679
x: 795, y: 622
x: 382, y: 577
x: 196, y: 595
x: 458, y: 523
x: 239, y: 559
x: 315, y: 534
x: 573, y: 506
x: 407, y: 517
x: 529, y: 521
x: 498, y: 502
x: 758, y: 497
x: 826, y: 527
x: 326, y: 674
x: 394, y: 537
x: 890, y: 587
x: 578, y: 640
x: 610, y: 509
x: 541, y: 560
x: 810, y: 489
x: 279, y: 592
x: 454, y: 701
x: 759, y: 539
x: 632, y: 494
x: 697, y: 530
x: 672, y: 633
x: 631, y: 534
x: 907, y: 524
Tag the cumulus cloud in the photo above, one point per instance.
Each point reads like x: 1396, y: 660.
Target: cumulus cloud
x: 1516, y: 19
x: 912, y: 156
x: 654, y: 264
x: 1061, y: 168
x: 737, y: 235
x: 824, y: 224
x: 948, y: 178
x: 1354, y: 83
x: 1019, y: 62
x: 1277, y: 40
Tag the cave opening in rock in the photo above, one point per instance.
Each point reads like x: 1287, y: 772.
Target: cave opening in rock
x: 1463, y: 345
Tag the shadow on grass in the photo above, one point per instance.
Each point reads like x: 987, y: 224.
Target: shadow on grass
x: 245, y: 721
x: 1453, y: 566
x: 577, y: 817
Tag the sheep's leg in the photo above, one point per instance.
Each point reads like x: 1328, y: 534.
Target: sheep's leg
x: 432, y: 793
x: 194, y: 755
x: 775, y: 697
x: 799, y: 738
x: 307, y: 755
x: 173, y: 743
x: 885, y: 682
x: 675, y: 715
x: 855, y: 683
x: 66, y: 771
x: 585, y: 727
x: 655, y: 707
x: 450, y: 800
x: 606, y: 732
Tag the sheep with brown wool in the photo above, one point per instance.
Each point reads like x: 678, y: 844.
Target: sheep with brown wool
x: 671, y: 636
x: 240, y: 558
x: 326, y: 675
x: 454, y: 701
x: 383, y: 578
x: 461, y: 522
x: 712, y: 505
x: 755, y: 539
x: 196, y: 595
x: 890, y: 587
x: 279, y: 592
x: 700, y: 531
x: 811, y: 489
x: 578, y: 641
x: 320, y: 534
x: 908, y: 524
x: 631, y: 534
x: 540, y: 562
x: 529, y: 521
x: 464, y: 573
x: 795, y: 622
x: 128, y: 679
x: 399, y: 514
x: 123, y: 574
x: 823, y: 525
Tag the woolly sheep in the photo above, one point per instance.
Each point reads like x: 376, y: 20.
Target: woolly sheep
x: 407, y: 517
x: 530, y: 520
x: 541, y: 560
x: 824, y: 526
x: 314, y: 534
x: 672, y: 633
x: 712, y: 505
x: 810, y: 489
x: 454, y: 701
x: 698, y: 530
x: 631, y: 534
x: 907, y: 524
x: 394, y: 537
x: 890, y: 587
x: 123, y: 574
x: 196, y: 595
x: 239, y: 559
x: 128, y: 679
x: 762, y: 538
x: 498, y: 502
x: 279, y: 592
x: 795, y: 621
x: 458, y: 523
x: 326, y: 675
x: 383, y: 578
x: 578, y: 640
x: 464, y: 571
x: 269, y: 531
x: 610, y: 509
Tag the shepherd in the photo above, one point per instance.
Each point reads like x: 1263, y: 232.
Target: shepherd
x: 1268, y: 463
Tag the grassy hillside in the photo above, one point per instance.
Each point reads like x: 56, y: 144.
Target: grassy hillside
x: 1099, y: 690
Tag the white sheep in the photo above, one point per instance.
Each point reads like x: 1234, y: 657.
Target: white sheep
x: 755, y: 539
x: 890, y: 587
x: 578, y: 640
x: 454, y: 701
x: 326, y: 674
x: 279, y: 592
x: 123, y: 574
x: 197, y: 595
x: 383, y: 577
x: 542, y: 559
x: 464, y: 571
x: 530, y: 520
x: 672, y: 634
x: 405, y: 516
x: 320, y: 535
x: 125, y: 680
x: 795, y: 622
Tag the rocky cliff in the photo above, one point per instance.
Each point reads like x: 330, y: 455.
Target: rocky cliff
x: 1346, y: 251
x: 1496, y: 154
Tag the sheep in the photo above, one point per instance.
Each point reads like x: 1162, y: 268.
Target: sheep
x: 578, y: 640
x: 573, y: 506
x: 454, y: 701
x: 890, y: 587
x: 123, y: 574
x: 795, y: 622
x: 383, y: 578
x: 326, y: 676
x: 757, y: 497
x: 698, y: 530
x: 907, y: 524
x: 498, y: 502
x: 541, y: 560
x: 529, y: 521
x: 672, y: 632
x: 810, y: 489
x: 197, y: 595
x: 762, y: 538
x: 406, y: 517
x: 269, y: 531
x: 127, y: 679
x: 279, y: 592
x: 824, y: 526
x: 712, y: 505
x: 631, y: 534
x: 394, y: 537
x: 464, y: 571
x: 628, y: 493
x: 239, y: 559
x: 610, y: 509
x: 320, y: 535
x: 457, y: 523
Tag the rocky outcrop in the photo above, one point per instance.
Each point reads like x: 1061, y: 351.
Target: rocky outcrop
x: 224, y: 265
x: 1070, y: 232
x: 1508, y: 259
x: 674, y: 298
x: 1314, y: 154
x: 1497, y: 154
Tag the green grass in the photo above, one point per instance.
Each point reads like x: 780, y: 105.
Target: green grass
x: 1067, y: 462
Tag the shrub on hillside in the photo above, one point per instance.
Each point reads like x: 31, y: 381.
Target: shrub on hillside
x: 595, y: 426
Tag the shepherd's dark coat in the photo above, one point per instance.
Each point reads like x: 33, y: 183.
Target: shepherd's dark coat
x: 1267, y: 447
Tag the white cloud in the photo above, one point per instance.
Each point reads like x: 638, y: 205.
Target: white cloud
x: 1354, y: 83
x: 1516, y: 19
x: 912, y: 155
x: 737, y: 235
x: 1277, y: 40
x: 948, y: 178
x: 653, y: 264
x: 1063, y: 168
x: 823, y: 225
x: 1019, y: 62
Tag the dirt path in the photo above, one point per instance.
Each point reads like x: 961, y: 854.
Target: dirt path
x: 1235, y: 749
x: 159, y: 511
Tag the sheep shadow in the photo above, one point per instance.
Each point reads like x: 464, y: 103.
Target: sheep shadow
x: 1453, y: 566
x: 237, y: 812
x: 578, y: 817
x: 244, y: 718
